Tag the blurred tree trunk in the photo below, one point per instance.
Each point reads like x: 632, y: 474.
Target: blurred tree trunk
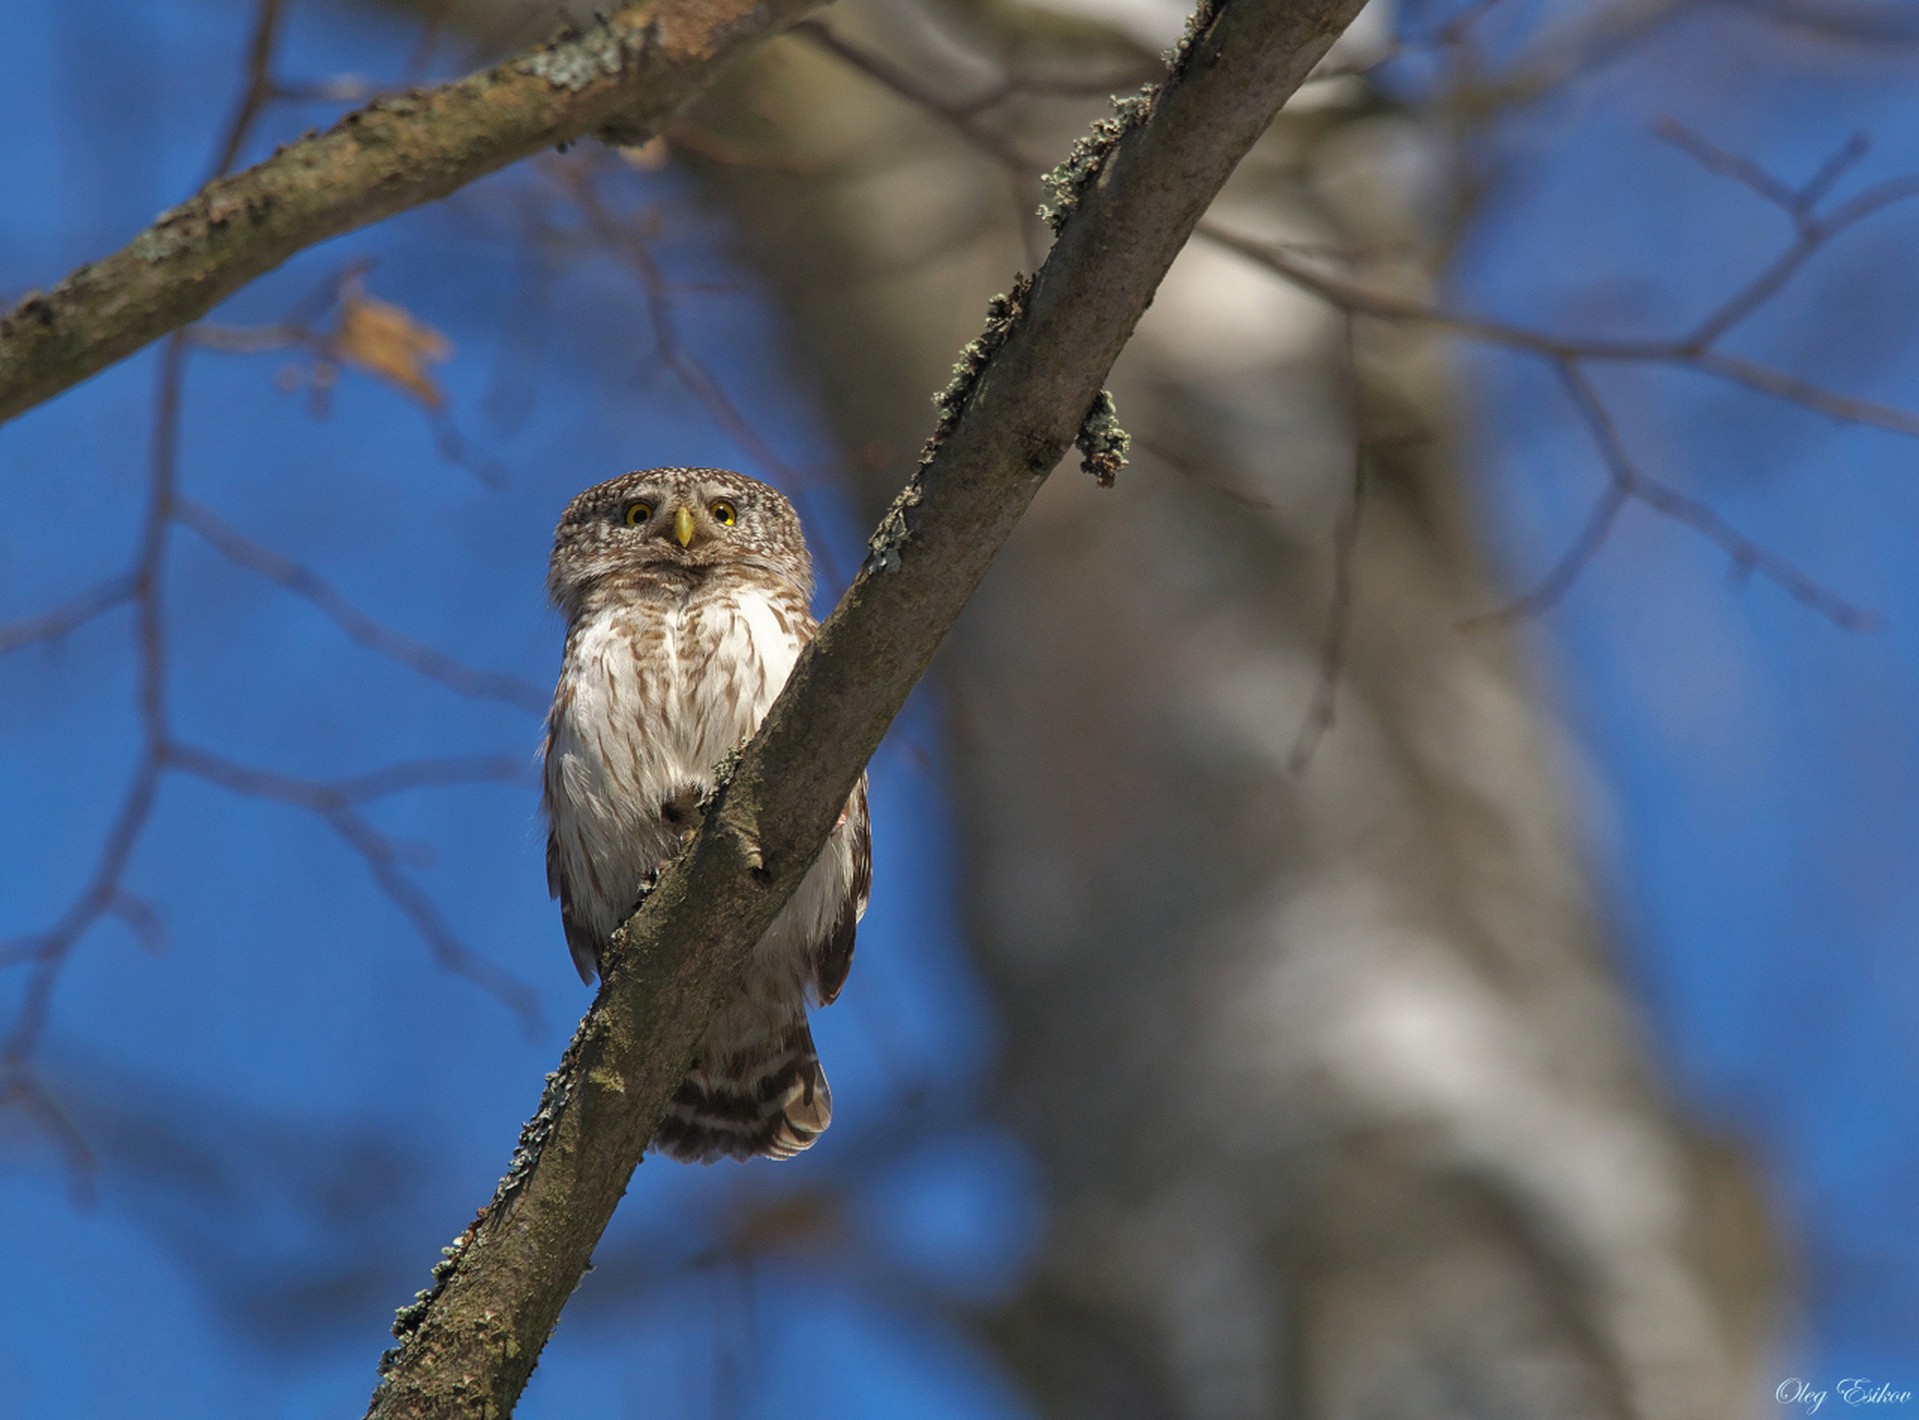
x: 1341, y: 1110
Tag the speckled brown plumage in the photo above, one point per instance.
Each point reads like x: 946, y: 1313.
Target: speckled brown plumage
x: 682, y: 625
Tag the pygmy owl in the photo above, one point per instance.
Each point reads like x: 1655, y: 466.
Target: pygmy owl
x: 685, y: 592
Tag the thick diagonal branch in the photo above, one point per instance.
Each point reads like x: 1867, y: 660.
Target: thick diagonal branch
x: 626, y: 77
x: 468, y: 1345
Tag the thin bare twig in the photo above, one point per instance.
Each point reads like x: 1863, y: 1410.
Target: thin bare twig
x: 1741, y: 170
x: 1814, y: 233
x: 282, y: 571
x: 32, y: 1098
x: 46, y: 954
x: 383, y: 860
x: 1187, y: 469
x: 1696, y: 349
x: 1451, y: 36
x: 1796, y: 202
x: 962, y: 117
x: 1339, y: 615
x: 1747, y: 556
x: 1627, y: 483
x: 68, y: 616
x: 331, y: 347
x: 627, y: 242
x: 259, y: 89
x: 432, y: 24
x: 435, y: 773
x: 1687, y: 351
x: 1551, y: 589
x: 1054, y: 86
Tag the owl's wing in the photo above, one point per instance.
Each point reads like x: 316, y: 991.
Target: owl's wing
x: 586, y: 951
x: 833, y: 954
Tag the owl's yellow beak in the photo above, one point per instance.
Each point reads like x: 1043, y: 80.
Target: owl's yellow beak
x: 683, y: 527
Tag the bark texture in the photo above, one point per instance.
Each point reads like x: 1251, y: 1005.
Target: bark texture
x: 625, y: 77
x: 1343, y: 1111
x: 468, y: 1345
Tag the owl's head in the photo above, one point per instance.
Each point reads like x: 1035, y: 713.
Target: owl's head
x: 686, y: 522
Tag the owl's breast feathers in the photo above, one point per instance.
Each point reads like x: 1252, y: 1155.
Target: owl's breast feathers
x: 659, y: 682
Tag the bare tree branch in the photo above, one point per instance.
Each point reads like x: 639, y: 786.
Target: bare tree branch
x: 44, y: 954
x: 625, y: 78
x: 627, y: 243
x: 468, y: 1346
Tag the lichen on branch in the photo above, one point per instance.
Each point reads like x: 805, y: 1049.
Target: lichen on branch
x: 884, y: 547
x: 1102, y: 443
x: 1002, y: 313
x: 1081, y: 167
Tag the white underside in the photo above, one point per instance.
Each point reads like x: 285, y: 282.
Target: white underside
x: 640, y: 729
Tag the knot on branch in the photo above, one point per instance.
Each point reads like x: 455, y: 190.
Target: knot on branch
x: 1102, y: 443
x: 34, y: 309
x: 1068, y: 182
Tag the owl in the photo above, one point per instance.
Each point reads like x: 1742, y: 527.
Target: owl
x: 685, y: 592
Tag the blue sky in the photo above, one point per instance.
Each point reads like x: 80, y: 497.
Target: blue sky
x: 293, y: 1107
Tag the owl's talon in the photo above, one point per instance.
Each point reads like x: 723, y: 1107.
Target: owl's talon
x: 686, y: 810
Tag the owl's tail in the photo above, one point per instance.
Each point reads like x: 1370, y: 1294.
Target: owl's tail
x: 769, y: 1098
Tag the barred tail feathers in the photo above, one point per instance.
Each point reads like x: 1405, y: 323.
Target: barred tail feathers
x: 769, y: 1099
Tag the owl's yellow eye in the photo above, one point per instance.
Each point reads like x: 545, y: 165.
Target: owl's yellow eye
x: 724, y: 513
x: 637, y: 513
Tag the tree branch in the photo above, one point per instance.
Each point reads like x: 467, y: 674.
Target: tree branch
x: 468, y: 1346
x: 625, y: 78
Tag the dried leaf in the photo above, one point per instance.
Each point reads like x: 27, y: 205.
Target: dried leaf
x: 387, y: 342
